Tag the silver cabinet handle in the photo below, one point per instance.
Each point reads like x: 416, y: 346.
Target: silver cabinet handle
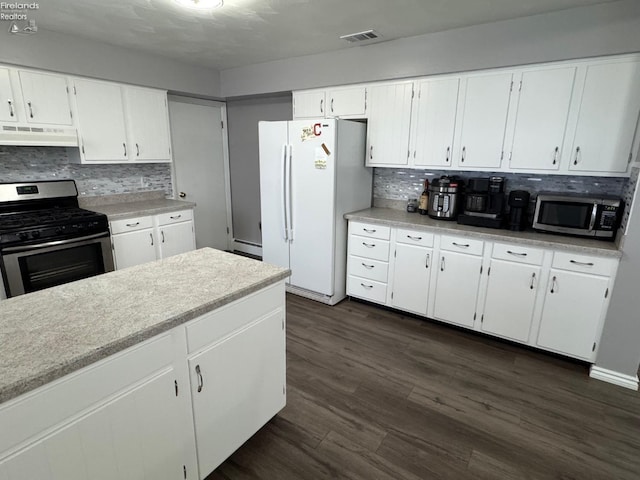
x: 414, y: 238
x: 442, y: 264
x: 370, y: 230
x: 124, y: 145
x: 137, y: 150
x: 533, y: 279
x: 426, y: 262
x: 448, y: 153
x: 368, y: 267
x: 516, y: 253
x: 30, y: 109
x: 151, y: 235
x: 555, y: 155
x: 461, y: 245
x: 575, y: 160
x: 584, y: 264
x: 133, y: 224
x: 182, y: 194
x: 175, y: 217
x: 369, y: 245
x: 322, y: 105
x: 371, y: 152
x: 553, y: 285
x: 162, y: 232
x: 332, y: 105
x: 10, y: 107
x: 368, y: 287
x: 464, y: 154
x: 200, y: 379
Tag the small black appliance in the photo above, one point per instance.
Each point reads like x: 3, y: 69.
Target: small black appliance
x: 444, y: 197
x: 484, y: 203
x: 518, y: 206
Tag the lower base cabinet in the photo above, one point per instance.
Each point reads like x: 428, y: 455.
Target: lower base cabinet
x: 133, y: 416
x: 411, y: 278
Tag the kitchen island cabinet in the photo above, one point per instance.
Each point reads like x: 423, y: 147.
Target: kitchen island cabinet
x: 107, y: 392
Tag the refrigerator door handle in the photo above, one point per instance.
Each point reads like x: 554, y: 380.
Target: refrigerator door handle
x: 290, y: 194
x: 283, y: 192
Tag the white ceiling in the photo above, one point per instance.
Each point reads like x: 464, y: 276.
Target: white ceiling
x: 245, y: 32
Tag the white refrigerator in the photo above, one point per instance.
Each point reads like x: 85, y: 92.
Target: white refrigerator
x: 311, y: 173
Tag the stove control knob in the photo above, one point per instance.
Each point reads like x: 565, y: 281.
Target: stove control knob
x: 23, y: 235
x: 58, y: 230
x: 35, y: 234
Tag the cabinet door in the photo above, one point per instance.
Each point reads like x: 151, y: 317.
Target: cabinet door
x: 100, y: 110
x: 432, y: 134
x: 541, y: 119
x: 7, y: 98
x: 134, y: 248
x: 511, y: 296
x: 148, y: 124
x: 346, y: 102
x: 237, y: 385
x: 308, y: 104
x: 177, y: 238
x: 457, y: 288
x: 46, y: 98
x: 572, y: 311
x: 484, y: 119
x: 388, y: 126
x: 607, y: 118
x: 411, y: 278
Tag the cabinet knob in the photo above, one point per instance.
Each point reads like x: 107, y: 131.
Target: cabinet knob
x: 182, y: 194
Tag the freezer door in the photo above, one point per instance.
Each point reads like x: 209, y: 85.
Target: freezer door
x: 313, y: 160
x: 273, y: 160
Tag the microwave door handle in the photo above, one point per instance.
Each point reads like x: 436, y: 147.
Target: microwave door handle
x: 594, y: 215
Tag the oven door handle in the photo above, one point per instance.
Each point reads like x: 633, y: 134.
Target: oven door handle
x: 25, y: 248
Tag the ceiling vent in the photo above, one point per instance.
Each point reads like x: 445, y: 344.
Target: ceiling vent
x: 365, y: 36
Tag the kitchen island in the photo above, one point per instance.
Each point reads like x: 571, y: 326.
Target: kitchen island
x: 160, y: 370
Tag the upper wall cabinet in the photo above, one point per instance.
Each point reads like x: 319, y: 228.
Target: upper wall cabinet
x: 46, y: 98
x: 7, y: 98
x: 342, y: 102
x: 388, y: 125
x: 120, y: 123
x: 607, y: 106
x: 309, y: 104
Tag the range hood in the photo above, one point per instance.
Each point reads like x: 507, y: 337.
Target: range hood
x: 38, y: 136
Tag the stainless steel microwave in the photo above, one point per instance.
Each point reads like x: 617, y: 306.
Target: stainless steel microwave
x: 577, y: 215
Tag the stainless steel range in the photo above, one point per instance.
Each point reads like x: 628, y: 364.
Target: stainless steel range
x: 46, y: 239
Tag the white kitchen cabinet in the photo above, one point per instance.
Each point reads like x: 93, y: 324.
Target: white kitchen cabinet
x: 309, y: 104
x: 175, y: 235
x: 411, y: 277
x: 607, y: 114
x: 434, y: 122
x: 148, y: 124
x: 368, y: 261
x: 389, y: 121
x: 7, y: 98
x: 238, y: 381
x: 101, y: 123
x: 348, y: 102
x: 134, y: 248
x: 543, y: 101
x: 45, y: 97
x: 483, y: 109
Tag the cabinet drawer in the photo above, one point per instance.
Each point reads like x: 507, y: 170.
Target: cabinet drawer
x: 370, y: 230
x: 175, y: 217
x: 369, y: 248
x: 413, y: 237
x: 461, y: 244
x: 365, y: 288
x: 584, y: 263
x: 131, y: 224
x: 368, y: 268
x: 518, y: 253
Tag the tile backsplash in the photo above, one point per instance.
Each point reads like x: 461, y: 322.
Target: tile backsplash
x: 52, y: 163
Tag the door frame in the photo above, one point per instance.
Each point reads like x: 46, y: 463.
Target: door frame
x: 225, y: 156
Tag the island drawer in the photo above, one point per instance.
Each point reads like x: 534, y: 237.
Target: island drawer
x: 584, y: 263
x: 461, y: 244
x: 368, y: 268
x: 175, y: 217
x: 370, y: 230
x: 413, y: 237
x: 131, y: 224
x: 517, y: 253
x: 219, y: 324
x: 367, y: 289
x: 369, y: 248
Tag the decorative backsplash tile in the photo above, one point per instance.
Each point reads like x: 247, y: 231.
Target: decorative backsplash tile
x: 627, y: 196
x: 52, y: 163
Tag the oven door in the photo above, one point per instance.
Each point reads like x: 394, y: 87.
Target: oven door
x: 35, y: 267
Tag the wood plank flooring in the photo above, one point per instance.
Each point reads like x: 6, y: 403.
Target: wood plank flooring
x: 375, y: 394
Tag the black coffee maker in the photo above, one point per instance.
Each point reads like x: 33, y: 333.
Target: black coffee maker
x: 518, y: 206
x: 484, y: 203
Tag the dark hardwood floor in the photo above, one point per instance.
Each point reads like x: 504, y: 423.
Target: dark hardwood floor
x: 375, y: 394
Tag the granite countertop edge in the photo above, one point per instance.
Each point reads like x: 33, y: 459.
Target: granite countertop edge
x: 25, y: 385
x: 385, y: 216
x: 126, y: 210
